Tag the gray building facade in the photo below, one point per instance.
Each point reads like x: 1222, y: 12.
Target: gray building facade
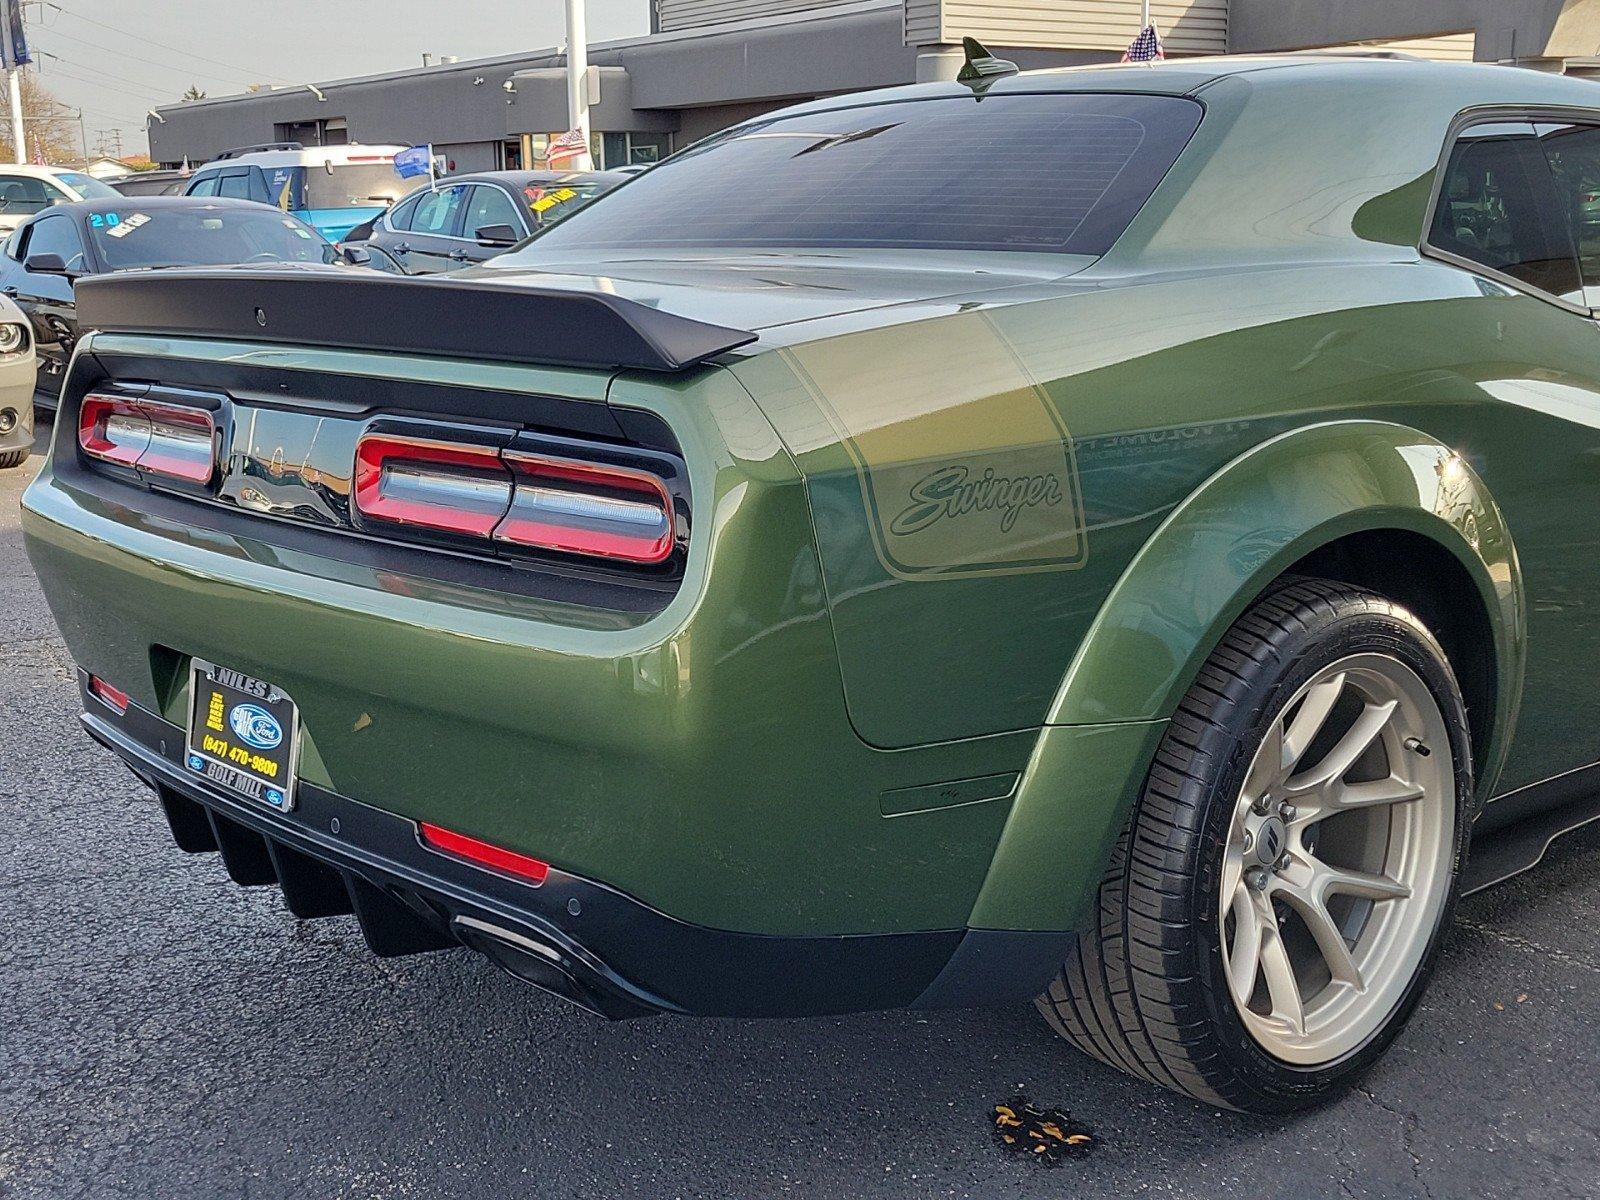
x: 709, y: 63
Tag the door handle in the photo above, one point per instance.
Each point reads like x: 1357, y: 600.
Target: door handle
x: 402, y: 248
x: 460, y: 256
x: 10, y: 289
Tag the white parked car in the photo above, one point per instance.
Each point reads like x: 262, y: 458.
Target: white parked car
x: 26, y: 189
x: 18, y: 366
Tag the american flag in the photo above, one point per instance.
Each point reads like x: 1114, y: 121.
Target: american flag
x: 1146, y: 47
x: 567, y: 145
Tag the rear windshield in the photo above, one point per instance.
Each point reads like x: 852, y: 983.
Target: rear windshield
x: 551, y: 202
x: 1057, y: 172
x: 171, y: 237
x: 354, y: 185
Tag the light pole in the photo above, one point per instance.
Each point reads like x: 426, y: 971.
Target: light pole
x: 19, y: 139
x: 578, y: 82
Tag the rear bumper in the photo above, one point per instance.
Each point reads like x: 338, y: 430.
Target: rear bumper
x: 578, y: 938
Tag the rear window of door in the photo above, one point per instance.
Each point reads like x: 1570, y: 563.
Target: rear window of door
x: 1498, y: 209
x: 1053, y: 173
x: 439, y: 213
x: 1573, y: 152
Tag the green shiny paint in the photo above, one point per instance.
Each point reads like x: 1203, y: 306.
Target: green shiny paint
x: 1262, y: 365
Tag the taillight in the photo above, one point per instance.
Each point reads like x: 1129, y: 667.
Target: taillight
x: 516, y: 498
x: 448, y: 486
x: 587, y: 508
x: 459, y: 845
x: 164, y: 439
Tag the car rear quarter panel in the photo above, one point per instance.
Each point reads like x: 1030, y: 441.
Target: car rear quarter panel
x: 1153, y: 386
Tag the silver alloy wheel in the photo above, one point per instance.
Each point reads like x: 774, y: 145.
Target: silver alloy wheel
x: 1338, y: 859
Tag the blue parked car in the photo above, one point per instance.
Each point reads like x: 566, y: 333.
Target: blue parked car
x: 331, y: 188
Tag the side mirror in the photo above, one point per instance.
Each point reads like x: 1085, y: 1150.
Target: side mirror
x: 47, y: 264
x: 356, y: 256
x: 498, y: 235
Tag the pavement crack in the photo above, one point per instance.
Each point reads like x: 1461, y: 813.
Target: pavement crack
x: 1408, y: 1127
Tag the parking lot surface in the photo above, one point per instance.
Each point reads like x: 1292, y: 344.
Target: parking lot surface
x: 164, y: 1033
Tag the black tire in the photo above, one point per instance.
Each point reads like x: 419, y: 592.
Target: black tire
x: 12, y: 458
x: 1144, y: 990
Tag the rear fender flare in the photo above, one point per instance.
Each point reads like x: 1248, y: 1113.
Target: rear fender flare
x: 1216, y: 552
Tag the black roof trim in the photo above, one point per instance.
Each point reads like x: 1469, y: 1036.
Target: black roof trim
x: 352, y: 308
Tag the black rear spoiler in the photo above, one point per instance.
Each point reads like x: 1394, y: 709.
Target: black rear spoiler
x: 359, y: 309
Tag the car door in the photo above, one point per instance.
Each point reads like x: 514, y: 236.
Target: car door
x: 388, y: 245
x: 490, y: 209
x: 46, y: 298
x: 434, y: 242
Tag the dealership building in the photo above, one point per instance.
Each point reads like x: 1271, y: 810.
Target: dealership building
x: 707, y: 64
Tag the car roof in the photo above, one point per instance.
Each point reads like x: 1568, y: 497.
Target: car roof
x: 1192, y: 76
x: 159, y: 202
x: 347, y: 155
x: 519, y: 179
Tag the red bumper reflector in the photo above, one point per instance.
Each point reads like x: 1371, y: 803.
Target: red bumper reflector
x: 446, y: 841
x: 114, y: 697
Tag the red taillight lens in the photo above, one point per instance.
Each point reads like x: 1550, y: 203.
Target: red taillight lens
x: 164, y: 439
x: 455, y: 488
x: 114, y: 697
x: 587, y: 508
x: 530, y: 870
x: 515, y: 497
x: 113, y: 429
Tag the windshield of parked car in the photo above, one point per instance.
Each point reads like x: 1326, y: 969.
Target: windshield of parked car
x: 87, y: 186
x: 133, y: 237
x: 353, y: 185
x: 1061, y: 172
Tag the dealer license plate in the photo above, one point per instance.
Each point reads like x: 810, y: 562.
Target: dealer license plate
x: 243, y: 735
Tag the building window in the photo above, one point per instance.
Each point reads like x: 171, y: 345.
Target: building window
x: 628, y: 149
x: 334, y: 131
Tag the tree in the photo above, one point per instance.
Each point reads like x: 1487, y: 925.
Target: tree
x: 194, y: 93
x: 51, y: 127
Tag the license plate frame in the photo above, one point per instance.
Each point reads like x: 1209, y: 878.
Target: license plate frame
x: 233, y: 718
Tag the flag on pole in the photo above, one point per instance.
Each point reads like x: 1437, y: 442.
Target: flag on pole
x: 1146, y: 48
x: 566, y: 145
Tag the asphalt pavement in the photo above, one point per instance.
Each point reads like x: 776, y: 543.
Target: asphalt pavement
x: 164, y: 1033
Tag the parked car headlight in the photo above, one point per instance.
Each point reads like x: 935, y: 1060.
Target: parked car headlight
x: 13, y: 337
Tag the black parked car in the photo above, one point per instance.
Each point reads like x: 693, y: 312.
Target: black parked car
x: 51, y: 250
x: 471, y: 218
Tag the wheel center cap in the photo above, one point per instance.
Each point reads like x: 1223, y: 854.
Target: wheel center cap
x: 1271, y: 838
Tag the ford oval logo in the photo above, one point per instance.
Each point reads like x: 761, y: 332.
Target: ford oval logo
x: 256, y: 726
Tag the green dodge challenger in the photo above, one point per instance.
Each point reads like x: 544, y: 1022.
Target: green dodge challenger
x: 1111, y: 536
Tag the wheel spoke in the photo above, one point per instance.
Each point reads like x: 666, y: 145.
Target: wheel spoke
x: 1330, y: 941
x: 1308, y: 722
x: 1244, y: 960
x: 1368, y: 727
x: 1392, y: 790
x: 1340, y: 881
x: 1282, y: 988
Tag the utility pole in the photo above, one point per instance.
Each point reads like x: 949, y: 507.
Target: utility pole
x: 19, y: 139
x: 578, y: 82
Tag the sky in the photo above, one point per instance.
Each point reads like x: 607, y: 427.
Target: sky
x: 116, y: 59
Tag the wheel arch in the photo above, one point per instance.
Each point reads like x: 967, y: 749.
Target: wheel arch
x: 1343, y: 498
